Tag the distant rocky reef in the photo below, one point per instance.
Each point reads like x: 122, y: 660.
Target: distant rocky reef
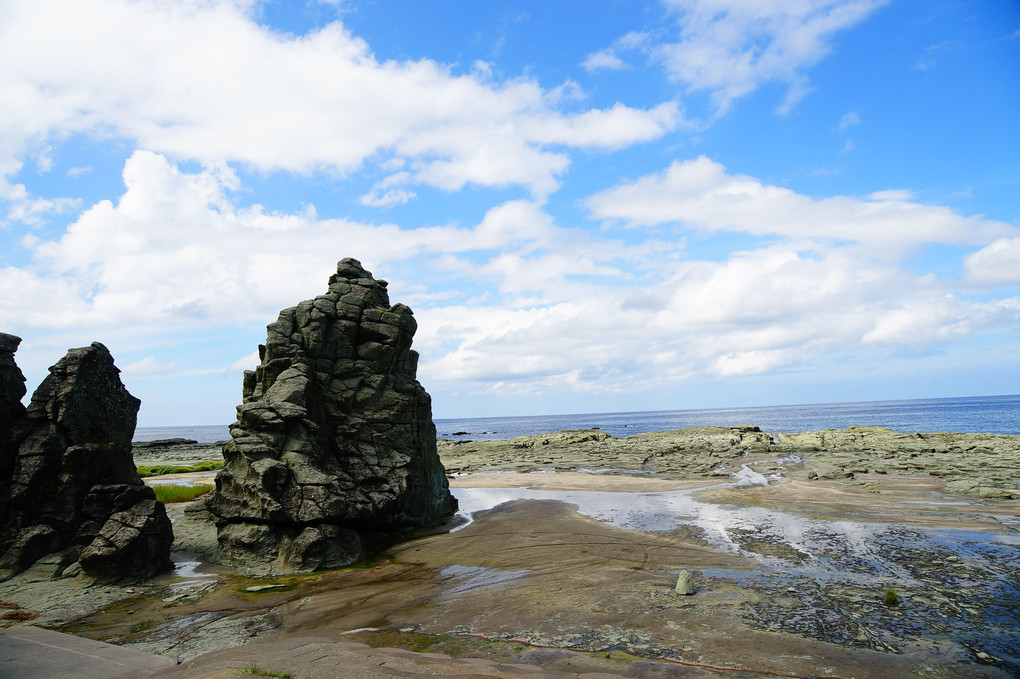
x: 334, y: 446
x: 70, y: 498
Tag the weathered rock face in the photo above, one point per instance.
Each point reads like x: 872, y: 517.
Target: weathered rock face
x: 71, y: 487
x: 334, y: 443
x: 12, y: 389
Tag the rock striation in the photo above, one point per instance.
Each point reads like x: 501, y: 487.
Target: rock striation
x: 334, y: 445
x: 69, y: 489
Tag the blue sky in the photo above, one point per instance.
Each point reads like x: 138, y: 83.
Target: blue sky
x: 590, y: 206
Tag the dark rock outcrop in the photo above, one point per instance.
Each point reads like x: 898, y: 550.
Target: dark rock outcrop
x: 12, y: 389
x: 71, y: 488
x: 334, y: 444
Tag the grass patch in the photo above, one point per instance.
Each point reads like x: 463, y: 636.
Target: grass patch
x: 253, y: 668
x: 142, y: 625
x: 145, y: 471
x: 172, y: 493
x: 891, y: 597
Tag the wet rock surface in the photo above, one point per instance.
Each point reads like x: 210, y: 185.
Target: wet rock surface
x: 936, y: 596
x: 334, y: 444
x: 71, y: 498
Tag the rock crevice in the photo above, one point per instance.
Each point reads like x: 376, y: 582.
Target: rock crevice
x: 334, y: 444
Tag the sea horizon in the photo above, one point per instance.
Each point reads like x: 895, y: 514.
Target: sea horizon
x: 998, y: 414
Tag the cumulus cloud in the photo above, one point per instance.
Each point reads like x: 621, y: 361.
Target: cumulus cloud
x: 759, y: 311
x: 204, y: 81
x: 515, y: 300
x: 156, y: 255
x: 998, y: 263
x: 701, y: 194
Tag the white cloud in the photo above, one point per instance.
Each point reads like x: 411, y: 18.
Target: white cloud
x: 249, y: 362
x: 849, y: 120
x: 758, y: 311
x: 175, y: 252
x: 754, y: 362
x: 385, y: 193
x: 998, y: 263
x: 730, y: 47
x: 700, y: 194
x: 33, y: 211
x: 604, y: 60
x: 535, y: 306
x: 150, y: 366
x: 203, y: 81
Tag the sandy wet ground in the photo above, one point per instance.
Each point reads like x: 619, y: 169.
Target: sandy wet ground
x: 789, y: 580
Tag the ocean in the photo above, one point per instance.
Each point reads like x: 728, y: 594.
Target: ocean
x: 975, y: 414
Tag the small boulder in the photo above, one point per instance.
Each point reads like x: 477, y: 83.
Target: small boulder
x: 684, y: 584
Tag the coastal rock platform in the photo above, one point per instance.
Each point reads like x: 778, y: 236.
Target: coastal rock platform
x: 972, y: 464
x: 567, y: 551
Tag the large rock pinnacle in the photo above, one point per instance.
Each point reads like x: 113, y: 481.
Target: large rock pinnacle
x: 334, y: 444
x: 69, y: 488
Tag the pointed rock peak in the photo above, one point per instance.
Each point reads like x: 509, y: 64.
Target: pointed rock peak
x: 334, y: 443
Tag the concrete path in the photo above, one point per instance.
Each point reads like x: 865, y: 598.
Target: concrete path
x: 33, y: 652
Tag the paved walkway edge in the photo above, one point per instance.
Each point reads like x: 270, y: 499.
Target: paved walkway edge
x: 28, y: 651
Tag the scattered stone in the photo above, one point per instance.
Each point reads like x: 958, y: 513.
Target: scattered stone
x: 334, y: 445
x: 684, y: 584
x: 262, y: 588
x: 70, y: 493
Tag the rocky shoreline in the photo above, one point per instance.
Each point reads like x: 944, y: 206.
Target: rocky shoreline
x: 982, y: 465
x: 566, y: 580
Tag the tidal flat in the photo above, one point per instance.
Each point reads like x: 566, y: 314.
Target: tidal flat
x: 567, y: 546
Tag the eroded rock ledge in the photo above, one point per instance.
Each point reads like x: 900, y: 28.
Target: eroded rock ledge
x: 334, y: 444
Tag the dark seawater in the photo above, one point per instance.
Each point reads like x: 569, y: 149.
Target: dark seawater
x: 976, y: 414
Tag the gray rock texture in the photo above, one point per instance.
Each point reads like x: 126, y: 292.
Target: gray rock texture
x: 70, y: 489
x: 334, y: 444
